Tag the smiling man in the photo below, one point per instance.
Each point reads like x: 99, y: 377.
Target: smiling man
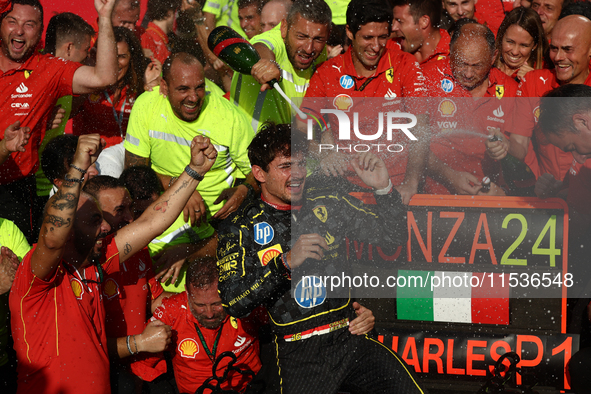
x: 249, y: 15
x: 31, y: 85
x: 373, y: 66
x: 570, y: 51
x: 56, y: 296
x: 161, y: 125
x: 319, y: 343
x: 416, y: 29
x: 288, y: 53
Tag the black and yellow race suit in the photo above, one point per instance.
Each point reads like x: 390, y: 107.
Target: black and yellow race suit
x: 251, y: 245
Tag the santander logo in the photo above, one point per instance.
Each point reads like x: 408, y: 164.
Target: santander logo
x: 22, y: 88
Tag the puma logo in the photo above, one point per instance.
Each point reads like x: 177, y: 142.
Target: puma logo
x: 337, y: 67
x: 544, y: 79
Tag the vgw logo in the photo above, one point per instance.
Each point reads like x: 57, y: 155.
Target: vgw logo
x: 345, y: 130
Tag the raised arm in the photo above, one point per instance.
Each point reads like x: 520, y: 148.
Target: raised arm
x: 164, y: 211
x: 104, y: 73
x: 60, y: 211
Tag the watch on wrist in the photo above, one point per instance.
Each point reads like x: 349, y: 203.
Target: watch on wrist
x: 194, y: 174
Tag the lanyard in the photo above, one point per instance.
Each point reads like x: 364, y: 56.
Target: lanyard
x: 118, y: 119
x: 360, y: 89
x: 210, y: 354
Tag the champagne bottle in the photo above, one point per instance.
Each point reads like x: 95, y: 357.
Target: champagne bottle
x: 233, y: 49
x: 517, y: 175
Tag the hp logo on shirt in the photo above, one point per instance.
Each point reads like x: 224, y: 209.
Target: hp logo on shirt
x: 447, y: 85
x: 346, y: 82
x: 263, y: 233
x: 310, y: 292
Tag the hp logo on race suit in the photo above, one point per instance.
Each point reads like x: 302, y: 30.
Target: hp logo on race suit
x: 346, y: 82
x: 263, y: 233
x: 447, y: 85
x: 310, y: 292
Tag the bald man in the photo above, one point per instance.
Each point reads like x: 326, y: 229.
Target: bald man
x: 458, y: 161
x: 570, y: 51
x: 274, y: 12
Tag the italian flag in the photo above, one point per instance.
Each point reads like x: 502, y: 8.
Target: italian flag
x: 459, y: 297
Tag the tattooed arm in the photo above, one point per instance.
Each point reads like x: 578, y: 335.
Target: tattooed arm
x: 164, y: 211
x: 60, y: 211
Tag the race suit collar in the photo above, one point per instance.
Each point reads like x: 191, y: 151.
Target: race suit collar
x: 281, y: 207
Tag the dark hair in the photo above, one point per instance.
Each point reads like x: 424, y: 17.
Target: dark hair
x: 558, y: 106
x: 336, y: 36
x: 134, y: 77
x: 101, y: 182
x: 316, y: 11
x: 202, y: 272
x: 275, y: 140
x: 419, y: 8
x: 57, y: 156
x: 32, y: 3
x: 528, y: 20
x: 577, y: 8
x: 142, y: 182
x: 63, y: 27
x: 478, y: 31
x: 361, y: 12
x: 258, y: 3
x: 183, y: 57
x: 158, y: 9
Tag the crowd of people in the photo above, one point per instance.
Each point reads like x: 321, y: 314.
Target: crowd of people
x: 154, y: 202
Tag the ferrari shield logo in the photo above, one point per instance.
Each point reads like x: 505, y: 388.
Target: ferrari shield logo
x: 390, y: 75
x: 500, y: 91
x: 321, y: 213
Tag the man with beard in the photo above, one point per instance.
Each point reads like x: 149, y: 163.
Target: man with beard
x: 59, y: 320
x: 316, y: 346
x: 289, y: 54
x: 162, y: 124
x: 202, y: 331
x: 129, y: 290
x: 31, y: 85
x: 416, y: 29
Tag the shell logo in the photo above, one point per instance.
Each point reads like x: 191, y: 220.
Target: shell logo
x: 447, y: 108
x: 537, y: 114
x: 110, y: 288
x: 268, y: 256
x: 343, y: 102
x: 77, y: 288
x: 188, y: 348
